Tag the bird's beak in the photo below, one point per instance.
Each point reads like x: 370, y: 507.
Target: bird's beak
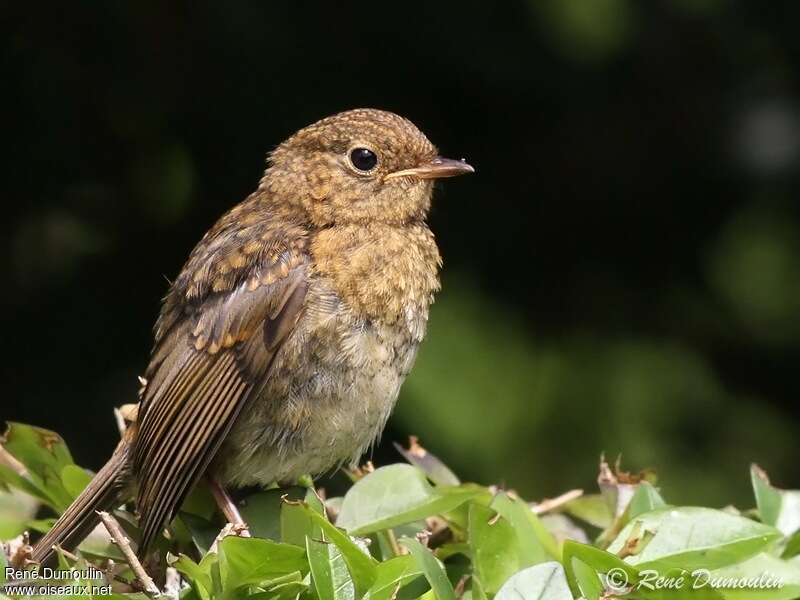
x: 436, y: 169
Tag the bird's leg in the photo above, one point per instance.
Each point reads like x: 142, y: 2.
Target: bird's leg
x: 229, y: 509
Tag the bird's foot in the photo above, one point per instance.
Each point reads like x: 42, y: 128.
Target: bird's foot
x: 226, y: 505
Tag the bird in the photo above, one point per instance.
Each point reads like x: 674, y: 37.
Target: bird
x: 281, y: 346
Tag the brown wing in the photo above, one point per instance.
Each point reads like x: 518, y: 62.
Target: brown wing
x: 215, y: 342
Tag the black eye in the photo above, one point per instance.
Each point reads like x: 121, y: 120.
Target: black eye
x: 363, y: 159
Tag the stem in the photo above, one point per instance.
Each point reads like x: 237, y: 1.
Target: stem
x: 122, y: 542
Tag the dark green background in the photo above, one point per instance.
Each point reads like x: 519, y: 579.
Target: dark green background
x: 622, y: 274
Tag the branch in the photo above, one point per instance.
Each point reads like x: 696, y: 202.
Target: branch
x: 172, y: 586
x: 7, y: 459
x: 122, y: 542
x: 551, y: 503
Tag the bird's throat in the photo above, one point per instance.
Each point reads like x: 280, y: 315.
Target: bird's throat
x: 390, y: 271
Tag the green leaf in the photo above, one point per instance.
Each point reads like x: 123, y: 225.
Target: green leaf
x: 784, y: 574
x: 361, y: 565
x: 617, y: 495
x: 202, y: 531
x: 44, y: 454
x: 16, y: 510
x: 776, y: 507
x: 392, y: 575
x: 478, y: 592
x: 287, y: 587
x: 200, y: 501
x: 583, y: 563
x: 296, y: 522
x: 395, y: 495
x: 9, y: 477
x: 542, y: 582
x: 198, y: 578
x: 691, y: 537
x: 331, y: 578
x: 592, y: 509
x: 792, y: 546
x: 458, y: 518
x: 537, y: 543
x: 599, y: 560
x: 36, y: 448
x: 385, y: 547
x: 429, y: 595
x: 75, y: 479
x: 64, y: 563
x: 262, y: 512
x: 449, y: 549
x: 494, y: 545
x: 40, y: 525
x: 98, y: 544
x: 438, y: 472
x: 588, y: 581
x: 250, y: 561
x: 433, y: 570
x: 645, y: 499
x: 314, y: 501
x: 562, y: 527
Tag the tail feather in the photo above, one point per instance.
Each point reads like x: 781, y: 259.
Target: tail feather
x: 81, y: 517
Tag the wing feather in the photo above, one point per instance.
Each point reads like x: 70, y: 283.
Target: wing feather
x: 191, y: 445
x: 213, y: 351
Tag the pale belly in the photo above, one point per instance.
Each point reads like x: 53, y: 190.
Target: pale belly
x: 331, y: 390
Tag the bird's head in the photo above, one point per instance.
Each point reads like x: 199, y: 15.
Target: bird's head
x: 359, y: 166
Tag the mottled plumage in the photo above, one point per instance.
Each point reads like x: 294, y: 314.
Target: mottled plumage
x: 282, y: 345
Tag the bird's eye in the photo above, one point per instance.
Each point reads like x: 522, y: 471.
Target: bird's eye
x: 363, y: 159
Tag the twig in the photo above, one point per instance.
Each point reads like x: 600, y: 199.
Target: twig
x: 66, y: 553
x: 172, y: 585
x: 550, y: 503
x: 6, y: 458
x: 19, y: 550
x: 122, y: 542
x: 229, y: 529
x: 286, y: 500
x: 108, y: 571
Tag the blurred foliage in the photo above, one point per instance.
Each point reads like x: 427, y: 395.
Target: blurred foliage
x: 587, y: 31
x: 622, y: 274
x: 754, y: 266
x: 530, y: 406
x: 399, y: 532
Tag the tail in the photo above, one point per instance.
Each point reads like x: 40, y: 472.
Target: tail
x: 81, y: 517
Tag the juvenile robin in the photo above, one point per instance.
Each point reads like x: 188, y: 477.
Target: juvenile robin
x: 282, y: 345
